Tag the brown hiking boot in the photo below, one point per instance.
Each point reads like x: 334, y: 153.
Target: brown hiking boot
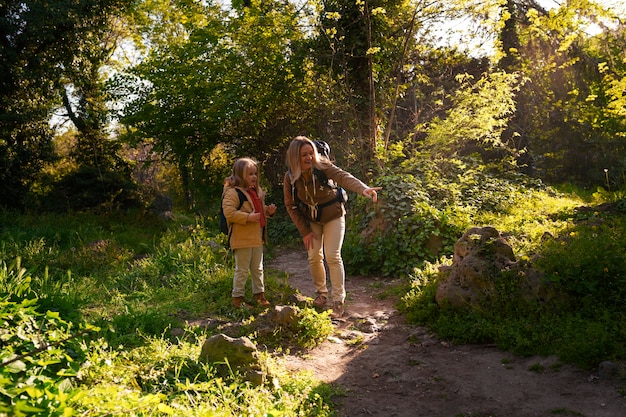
x: 261, y: 300
x: 320, y: 301
x: 337, y: 310
x: 239, y: 302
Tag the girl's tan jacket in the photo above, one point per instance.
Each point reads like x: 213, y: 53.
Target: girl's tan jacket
x: 243, y: 234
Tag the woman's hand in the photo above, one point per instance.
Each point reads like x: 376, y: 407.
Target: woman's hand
x: 371, y: 193
x: 271, y: 209
x: 308, y: 240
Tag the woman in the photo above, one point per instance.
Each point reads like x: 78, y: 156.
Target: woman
x: 314, y: 199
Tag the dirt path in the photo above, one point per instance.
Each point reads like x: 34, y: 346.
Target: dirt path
x: 388, y: 368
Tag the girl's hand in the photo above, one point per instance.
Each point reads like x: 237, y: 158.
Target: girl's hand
x: 371, y: 193
x: 308, y: 240
x: 254, y: 217
x: 271, y: 209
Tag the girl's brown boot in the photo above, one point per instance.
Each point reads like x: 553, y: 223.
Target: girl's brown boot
x: 239, y: 302
x: 261, y: 300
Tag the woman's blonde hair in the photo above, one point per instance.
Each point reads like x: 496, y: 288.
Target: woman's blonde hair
x: 238, y: 175
x: 293, y: 157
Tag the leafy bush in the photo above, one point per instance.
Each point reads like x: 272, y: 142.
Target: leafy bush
x: 418, y: 304
x: 41, y: 356
x: 588, y: 260
x: 584, y: 261
x: 312, y: 328
x: 424, y: 207
x: 90, y: 188
x: 404, y: 230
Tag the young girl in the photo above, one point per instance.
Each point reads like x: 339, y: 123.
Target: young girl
x: 316, y: 208
x: 246, y: 229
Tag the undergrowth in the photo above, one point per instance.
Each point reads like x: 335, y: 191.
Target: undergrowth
x: 94, y: 313
x: 579, y: 251
x: 96, y: 310
x: 423, y: 210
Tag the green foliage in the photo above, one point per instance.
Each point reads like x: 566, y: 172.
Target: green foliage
x: 165, y: 378
x: 40, y: 358
x: 15, y: 280
x: 312, y: 328
x: 128, y: 328
x: 588, y: 260
x: 618, y: 197
x: 584, y: 262
x: 80, y: 243
x: 138, y: 280
x: 583, y: 335
x: 357, y: 43
x: 308, y: 329
x: 91, y: 188
x: 479, y: 114
x: 232, y: 82
x: 130, y: 259
x: 408, y: 230
x: 23, y: 154
x: 49, y: 43
x: 424, y: 210
x: 418, y: 304
x: 573, y: 79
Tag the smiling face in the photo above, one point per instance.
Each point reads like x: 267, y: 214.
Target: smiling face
x: 307, y: 156
x: 251, y: 176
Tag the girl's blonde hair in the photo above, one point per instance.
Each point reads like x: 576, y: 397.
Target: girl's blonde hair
x: 293, y: 157
x: 238, y: 175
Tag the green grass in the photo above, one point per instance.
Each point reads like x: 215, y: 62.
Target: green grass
x: 136, y: 280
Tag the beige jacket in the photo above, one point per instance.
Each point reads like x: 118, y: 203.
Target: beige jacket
x: 314, y: 194
x: 243, y: 234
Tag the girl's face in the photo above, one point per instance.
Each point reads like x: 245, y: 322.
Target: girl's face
x: 251, y: 176
x: 306, y: 157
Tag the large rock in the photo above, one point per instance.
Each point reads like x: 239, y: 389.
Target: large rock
x: 482, y: 256
x: 237, y: 354
x: 285, y: 316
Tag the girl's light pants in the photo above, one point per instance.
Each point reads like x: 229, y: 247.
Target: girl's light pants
x: 248, y: 260
x: 329, y: 246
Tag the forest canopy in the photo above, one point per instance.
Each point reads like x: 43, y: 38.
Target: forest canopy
x: 94, y: 91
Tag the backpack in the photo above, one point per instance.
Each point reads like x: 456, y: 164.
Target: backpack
x: 223, y: 222
x: 322, y: 148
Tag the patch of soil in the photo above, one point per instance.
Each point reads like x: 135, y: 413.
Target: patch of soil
x: 387, y: 367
